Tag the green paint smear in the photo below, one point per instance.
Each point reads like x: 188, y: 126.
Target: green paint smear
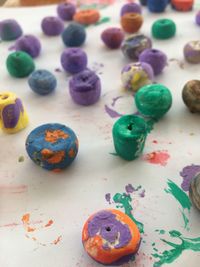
x: 182, y: 198
x: 125, y: 200
x: 161, y: 232
x: 93, y: 6
x: 102, y: 21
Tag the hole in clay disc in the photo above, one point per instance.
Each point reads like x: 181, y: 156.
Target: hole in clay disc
x: 130, y: 127
x: 3, y: 97
x: 108, y: 229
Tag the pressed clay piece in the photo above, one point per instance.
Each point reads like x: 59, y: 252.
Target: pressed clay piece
x: 191, y: 95
x: 194, y: 191
x: 129, y: 136
x: 163, y: 29
x: 87, y: 17
x: 13, y: 117
x: 192, y: 52
x: 182, y: 5
x: 157, y: 6
x: 29, y: 44
x: 131, y: 22
x: 110, y: 235
x: 130, y: 8
x: 112, y: 37
x: 10, y: 30
x: 52, y: 26
x: 52, y: 146
x: 66, y: 11
x: 74, y: 35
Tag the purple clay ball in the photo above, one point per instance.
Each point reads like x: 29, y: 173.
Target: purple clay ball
x: 85, y: 88
x: 130, y: 8
x: 192, y: 52
x: 10, y: 30
x: 74, y: 60
x: 156, y: 58
x: 112, y: 37
x: 29, y: 44
x: 52, y: 26
x: 197, y: 18
x: 66, y: 11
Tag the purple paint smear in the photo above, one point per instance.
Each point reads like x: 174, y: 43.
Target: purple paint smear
x: 114, y: 100
x: 108, y: 197
x: 130, y: 189
x: 142, y: 194
x: 188, y: 173
x: 112, y: 113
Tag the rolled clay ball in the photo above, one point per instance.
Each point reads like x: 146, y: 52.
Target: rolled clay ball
x: 157, y: 6
x: 29, y: 44
x: 134, y: 45
x: 191, y: 95
x: 74, y: 35
x: 153, y: 100
x: 197, y: 18
x: 10, y: 30
x: 85, y: 88
x: 182, y: 5
x: 20, y: 64
x: 112, y: 37
x: 52, y: 146
x: 131, y: 22
x: 42, y: 82
x: 66, y: 11
x: 156, y: 58
x: 130, y: 8
x: 52, y: 26
x: 191, y: 52
x: 109, y: 236
x: 74, y: 60
x: 194, y: 191
x: 136, y: 75
x: 87, y: 16
x: 163, y: 29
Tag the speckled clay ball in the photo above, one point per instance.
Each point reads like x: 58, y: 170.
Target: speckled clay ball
x: 66, y: 11
x: 134, y: 45
x: 197, y: 18
x: 10, y: 30
x: 156, y: 58
x: 42, y: 82
x: 131, y: 22
x: 136, y: 75
x: 74, y: 35
x: 52, y: 26
x: 130, y: 8
x: 194, y: 191
x: 191, y: 95
x: 29, y: 44
x: 112, y: 37
x: 163, y: 29
x: 192, y: 52
x: 74, y: 60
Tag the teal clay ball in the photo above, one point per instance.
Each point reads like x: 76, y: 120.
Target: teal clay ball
x: 163, y: 29
x: 153, y: 100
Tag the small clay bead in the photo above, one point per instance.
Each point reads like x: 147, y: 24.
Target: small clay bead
x: 197, y: 18
x: 156, y: 58
x: 182, y: 5
x: 85, y: 88
x: 129, y: 136
x: 87, y: 17
x: 136, y: 75
x: 74, y: 35
x: 29, y: 44
x: 112, y: 37
x: 143, y: 2
x: 66, y: 11
x: 131, y: 22
x: 52, y: 26
x: 52, y: 146
x: 163, y: 29
x: 153, y: 100
x: 194, y: 191
x: 74, y: 60
x: 192, y: 52
x: 20, y: 64
x: 157, y: 6
x: 191, y: 95
x: 42, y: 82
x: 10, y: 30
x: 134, y: 45
x: 130, y: 8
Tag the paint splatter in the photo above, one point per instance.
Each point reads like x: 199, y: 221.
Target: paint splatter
x: 188, y: 173
x: 161, y: 232
x: 58, y: 70
x: 57, y: 240
x: 102, y: 21
x: 142, y: 194
x: 157, y: 157
x: 97, y: 67
x: 108, y: 197
x: 112, y: 113
x: 130, y: 189
x: 21, y: 159
x: 115, y: 99
x: 179, y: 62
x: 50, y: 222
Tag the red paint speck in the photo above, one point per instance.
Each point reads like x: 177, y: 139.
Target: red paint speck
x: 50, y: 222
x: 157, y: 157
x: 155, y: 141
x: 57, y: 240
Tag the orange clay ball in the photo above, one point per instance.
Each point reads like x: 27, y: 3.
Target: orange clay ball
x: 131, y: 22
x: 87, y: 17
x: 109, y: 236
x: 182, y: 5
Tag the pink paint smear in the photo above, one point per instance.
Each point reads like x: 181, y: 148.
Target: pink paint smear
x: 157, y: 157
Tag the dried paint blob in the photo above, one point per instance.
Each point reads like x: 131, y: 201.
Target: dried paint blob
x: 52, y: 146
x: 191, y: 95
x: 110, y: 235
x: 191, y: 52
x: 194, y: 191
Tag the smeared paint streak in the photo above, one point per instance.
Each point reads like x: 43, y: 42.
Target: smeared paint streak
x: 102, y: 21
x: 115, y: 99
x: 112, y: 113
x: 13, y: 189
x: 130, y: 189
x: 157, y: 157
x: 188, y: 173
x: 108, y: 197
x: 142, y: 194
x: 14, y: 224
x: 182, y: 198
x: 50, y: 222
x: 113, y: 154
x: 57, y: 240
x: 26, y: 223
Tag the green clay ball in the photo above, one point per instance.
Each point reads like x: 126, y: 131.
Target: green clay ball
x: 20, y: 64
x: 129, y: 136
x: 153, y: 100
x: 163, y: 29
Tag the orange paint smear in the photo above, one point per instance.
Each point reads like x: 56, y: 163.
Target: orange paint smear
x: 50, y: 222
x: 55, y: 135
x: 13, y: 189
x: 30, y: 229
x: 52, y: 157
x: 157, y: 157
x: 57, y: 240
x: 26, y: 218
x: 71, y: 153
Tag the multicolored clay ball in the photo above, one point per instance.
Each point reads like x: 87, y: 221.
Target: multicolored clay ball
x: 52, y: 26
x: 42, y: 82
x: 157, y: 6
x: 182, y: 5
x: 66, y: 11
x: 191, y: 95
x: 87, y: 16
x: 163, y: 29
x: 136, y: 75
x: 10, y: 30
x: 110, y: 236
x: 153, y: 100
x: 197, y: 18
x: 156, y: 58
x: 74, y: 60
x: 13, y: 117
x: 85, y: 88
x: 134, y: 45
x: 112, y: 37
x: 194, y: 191
x: 52, y: 146
x: 29, y: 44
x: 129, y: 136
x: 191, y: 52
x: 74, y: 35
x: 20, y: 64
x: 131, y: 22
x: 130, y: 8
